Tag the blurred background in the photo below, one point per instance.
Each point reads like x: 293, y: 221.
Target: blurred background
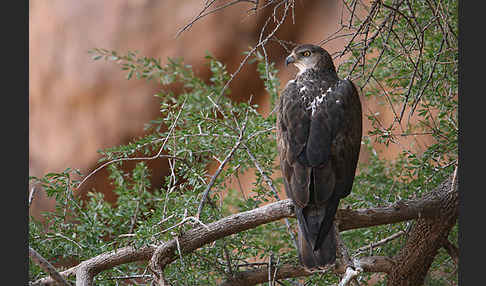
x: 78, y: 106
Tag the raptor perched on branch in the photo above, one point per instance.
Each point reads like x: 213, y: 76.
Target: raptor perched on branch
x: 319, y: 127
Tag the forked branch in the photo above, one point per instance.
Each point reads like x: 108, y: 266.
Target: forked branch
x: 429, y: 207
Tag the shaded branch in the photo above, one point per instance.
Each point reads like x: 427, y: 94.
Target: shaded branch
x: 255, y: 276
x: 452, y: 250
x: 260, y: 275
x: 345, y: 264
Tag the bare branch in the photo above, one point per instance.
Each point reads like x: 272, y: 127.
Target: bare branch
x: 400, y: 211
x: 381, y: 242
x: 218, y: 171
x: 47, y: 267
x: 203, y: 13
x: 31, y: 195
x: 426, y: 237
x: 428, y: 207
x: 171, y: 129
x: 274, y: 191
x: 260, y: 275
x: 349, y: 275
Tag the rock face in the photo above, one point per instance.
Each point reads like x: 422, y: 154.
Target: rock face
x: 78, y: 106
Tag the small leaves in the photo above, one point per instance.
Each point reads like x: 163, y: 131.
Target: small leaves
x: 205, y: 132
x: 395, y: 66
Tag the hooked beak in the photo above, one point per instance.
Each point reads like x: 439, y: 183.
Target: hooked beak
x: 289, y: 59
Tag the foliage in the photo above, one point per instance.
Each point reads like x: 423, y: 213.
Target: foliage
x: 195, y: 128
x: 200, y: 129
x: 408, y: 60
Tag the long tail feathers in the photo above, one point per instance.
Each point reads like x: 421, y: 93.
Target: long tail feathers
x: 328, y: 222
x: 325, y: 253
x: 317, y: 239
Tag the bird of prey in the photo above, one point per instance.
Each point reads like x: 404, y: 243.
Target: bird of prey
x: 319, y: 125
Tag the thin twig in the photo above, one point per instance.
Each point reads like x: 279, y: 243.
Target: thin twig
x: 138, y: 158
x: 260, y: 43
x: 203, y: 13
x: 274, y: 191
x: 195, y: 219
x: 227, y: 256
x: 218, y: 171
x: 179, y: 250
x: 70, y: 240
x: 135, y: 276
x: 31, y: 195
x: 381, y: 242
x: 135, y: 214
x: 417, y: 99
x: 270, y: 269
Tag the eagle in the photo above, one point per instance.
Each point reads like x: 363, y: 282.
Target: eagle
x: 319, y: 128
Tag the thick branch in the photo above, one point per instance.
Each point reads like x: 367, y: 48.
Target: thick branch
x: 86, y: 270
x: 260, y: 275
x: 197, y: 237
x: 107, y: 260
x: 426, y: 237
x: 189, y: 241
x: 397, y: 212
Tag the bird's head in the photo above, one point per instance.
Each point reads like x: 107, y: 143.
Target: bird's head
x: 308, y: 56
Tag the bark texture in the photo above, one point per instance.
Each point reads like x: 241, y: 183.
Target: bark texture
x: 436, y: 214
x: 260, y: 275
x: 426, y: 237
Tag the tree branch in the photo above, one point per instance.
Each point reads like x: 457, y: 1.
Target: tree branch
x: 260, y: 275
x: 426, y: 237
x: 400, y: 211
x: 47, y: 267
x: 429, y: 207
x: 452, y: 250
x: 383, y: 241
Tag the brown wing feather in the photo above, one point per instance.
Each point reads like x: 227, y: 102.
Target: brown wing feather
x: 345, y: 147
x: 318, y: 156
x: 292, y: 134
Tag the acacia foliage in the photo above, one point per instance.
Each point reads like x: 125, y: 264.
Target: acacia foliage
x: 411, y: 65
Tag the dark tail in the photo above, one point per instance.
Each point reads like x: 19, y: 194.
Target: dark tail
x: 325, y: 253
x: 317, y: 239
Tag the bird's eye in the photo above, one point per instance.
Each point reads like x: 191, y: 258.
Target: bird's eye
x: 306, y: 53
